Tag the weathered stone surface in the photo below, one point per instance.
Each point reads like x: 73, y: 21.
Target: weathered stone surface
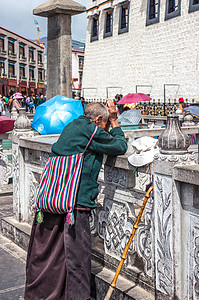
x: 188, y: 174
x: 52, y: 7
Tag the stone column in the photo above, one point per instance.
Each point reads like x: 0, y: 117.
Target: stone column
x: 59, y: 55
x: 170, y: 271
x: 22, y: 128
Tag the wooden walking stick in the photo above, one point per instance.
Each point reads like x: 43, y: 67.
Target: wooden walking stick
x: 124, y: 255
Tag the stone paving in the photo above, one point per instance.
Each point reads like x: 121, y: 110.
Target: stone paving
x: 12, y: 260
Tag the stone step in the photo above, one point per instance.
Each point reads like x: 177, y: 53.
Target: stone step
x: 125, y: 289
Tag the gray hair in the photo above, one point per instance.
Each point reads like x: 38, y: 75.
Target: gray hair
x: 94, y: 109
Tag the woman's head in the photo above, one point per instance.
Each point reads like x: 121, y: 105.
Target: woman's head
x: 97, y: 113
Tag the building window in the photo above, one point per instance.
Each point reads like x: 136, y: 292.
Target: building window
x: 153, y: 11
x: 80, y: 78
x: 40, y: 75
x: 11, y: 47
x: 173, y: 8
x: 22, y: 72
x: 40, y: 58
x: 1, y: 43
x: 81, y: 62
x: 108, y: 26
x: 94, y: 28
x: 124, y: 19
x: 2, y: 67
x: 11, y: 69
x: 21, y: 51
x: 193, y: 5
x: 31, y: 73
x: 31, y: 55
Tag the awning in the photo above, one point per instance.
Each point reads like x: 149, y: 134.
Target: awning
x: 92, y: 11
x: 105, y: 5
x: 116, y: 2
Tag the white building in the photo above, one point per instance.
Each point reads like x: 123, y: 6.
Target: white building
x: 147, y: 46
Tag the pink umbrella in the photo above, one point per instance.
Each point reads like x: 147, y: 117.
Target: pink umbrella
x: 6, y: 124
x: 133, y: 98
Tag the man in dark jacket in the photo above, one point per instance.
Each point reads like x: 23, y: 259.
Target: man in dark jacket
x: 59, y: 255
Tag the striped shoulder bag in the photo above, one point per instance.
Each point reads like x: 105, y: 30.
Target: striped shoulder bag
x: 59, y: 184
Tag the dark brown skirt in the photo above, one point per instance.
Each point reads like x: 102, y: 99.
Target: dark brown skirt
x: 59, y: 259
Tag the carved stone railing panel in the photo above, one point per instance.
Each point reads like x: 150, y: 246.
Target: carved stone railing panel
x: 164, y: 234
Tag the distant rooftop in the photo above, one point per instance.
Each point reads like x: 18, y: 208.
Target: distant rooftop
x: 77, y: 46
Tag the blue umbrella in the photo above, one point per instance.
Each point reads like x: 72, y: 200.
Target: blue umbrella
x: 52, y: 116
x: 193, y: 109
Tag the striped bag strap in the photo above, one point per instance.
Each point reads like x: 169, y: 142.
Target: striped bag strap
x: 90, y: 139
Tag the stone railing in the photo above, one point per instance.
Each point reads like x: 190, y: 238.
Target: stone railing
x: 163, y: 257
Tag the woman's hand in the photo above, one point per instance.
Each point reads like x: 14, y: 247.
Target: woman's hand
x: 112, y: 113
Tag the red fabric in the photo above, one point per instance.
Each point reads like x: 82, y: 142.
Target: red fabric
x: 133, y: 98
x: 6, y: 124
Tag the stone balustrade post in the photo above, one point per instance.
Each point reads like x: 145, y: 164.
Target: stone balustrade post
x: 169, y: 235
x: 22, y: 128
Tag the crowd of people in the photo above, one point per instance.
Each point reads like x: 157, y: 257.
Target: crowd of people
x: 30, y: 102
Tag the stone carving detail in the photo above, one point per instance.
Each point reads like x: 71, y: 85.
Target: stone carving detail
x: 186, y: 159
x: 115, y: 226
x: 164, y: 234
x: 34, y: 184
x: 141, y: 180
x: 44, y: 157
x: 115, y: 175
x: 5, y: 169
x: 92, y: 221
x: 145, y: 243
x: 15, y: 165
x: 196, y: 269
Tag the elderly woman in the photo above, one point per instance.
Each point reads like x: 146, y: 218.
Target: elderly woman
x: 59, y: 255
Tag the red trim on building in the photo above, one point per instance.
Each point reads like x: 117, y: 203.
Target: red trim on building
x: 21, y: 37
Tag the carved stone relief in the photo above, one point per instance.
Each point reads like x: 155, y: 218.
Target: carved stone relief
x: 34, y: 184
x: 141, y: 181
x: 115, y: 224
x: 163, y: 234
x: 5, y: 169
x: 15, y: 165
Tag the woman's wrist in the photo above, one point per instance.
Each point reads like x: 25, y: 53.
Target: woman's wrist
x: 114, y: 123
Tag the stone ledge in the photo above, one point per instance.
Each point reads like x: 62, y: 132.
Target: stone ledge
x: 17, y: 232
x: 128, y: 290
x: 187, y: 174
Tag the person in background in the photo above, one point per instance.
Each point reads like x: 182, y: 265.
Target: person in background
x: 83, y: 102
x: 31, y: 106
x: 1, y: 105
x: 59, y: 255
x: 119, y: 106
x: 41, y: 99
x: 182, y: 104
x: 17, y: 97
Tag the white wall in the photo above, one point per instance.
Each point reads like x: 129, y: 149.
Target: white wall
x: 162, y: 53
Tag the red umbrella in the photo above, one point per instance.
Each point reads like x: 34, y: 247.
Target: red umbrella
x: 6, y: 124
x: 133, y: 98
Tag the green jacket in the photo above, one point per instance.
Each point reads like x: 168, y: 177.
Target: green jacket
x: 74, y: 139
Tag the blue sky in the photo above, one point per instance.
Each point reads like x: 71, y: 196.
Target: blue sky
x: 17, y: 16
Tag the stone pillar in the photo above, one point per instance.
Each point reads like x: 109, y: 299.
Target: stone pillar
x: 59, y: 56
x: 170, y: 270
x: 22, y: 128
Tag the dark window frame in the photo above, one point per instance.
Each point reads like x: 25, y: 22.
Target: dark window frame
x: 108, y: 33
x: 193, y: 7
x: 170, y: 15
x: 94, y: 37
x: 125, y: 29
x: 152, y: 20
